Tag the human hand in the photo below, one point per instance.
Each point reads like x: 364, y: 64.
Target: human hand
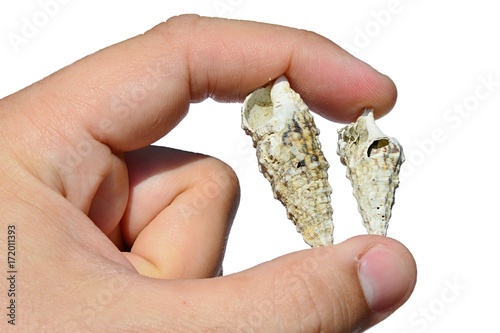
x: 98, y: 212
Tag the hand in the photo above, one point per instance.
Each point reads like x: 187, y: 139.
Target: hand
x: 114, y: 235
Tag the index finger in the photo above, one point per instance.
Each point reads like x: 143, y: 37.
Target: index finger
x: 131, y: 94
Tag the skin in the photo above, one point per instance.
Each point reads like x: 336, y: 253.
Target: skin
x: 114, y: 235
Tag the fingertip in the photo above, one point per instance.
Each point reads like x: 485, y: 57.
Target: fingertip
x: 387, y: 277
x: 340, y: 87
x: 377, y: 91
x: 389, y: 94
x: 352, y: 285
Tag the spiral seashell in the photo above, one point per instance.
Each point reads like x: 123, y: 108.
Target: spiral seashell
x: 373, y: 162
x: 290, y: 157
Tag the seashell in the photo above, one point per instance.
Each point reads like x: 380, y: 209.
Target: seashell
x: 373, y: 161
x: 290, y: 157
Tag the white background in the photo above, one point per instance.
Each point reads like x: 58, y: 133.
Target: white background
x: 438, y: 53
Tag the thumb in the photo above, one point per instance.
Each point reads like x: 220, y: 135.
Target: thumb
x: 348, y: 287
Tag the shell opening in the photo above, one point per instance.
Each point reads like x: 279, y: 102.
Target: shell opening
x: 377, y: 144
x: 258, y: 108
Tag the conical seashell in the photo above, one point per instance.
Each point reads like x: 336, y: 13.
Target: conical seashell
x: 373, y: 161
x: 290, y: 157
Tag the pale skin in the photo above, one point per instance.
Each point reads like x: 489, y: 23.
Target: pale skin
x: 117, y: 236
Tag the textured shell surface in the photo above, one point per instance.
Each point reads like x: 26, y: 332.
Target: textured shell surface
x: 290, y: 157
x: 373, y: 161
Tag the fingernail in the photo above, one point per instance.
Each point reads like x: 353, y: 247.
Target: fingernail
x: 384, y: 278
